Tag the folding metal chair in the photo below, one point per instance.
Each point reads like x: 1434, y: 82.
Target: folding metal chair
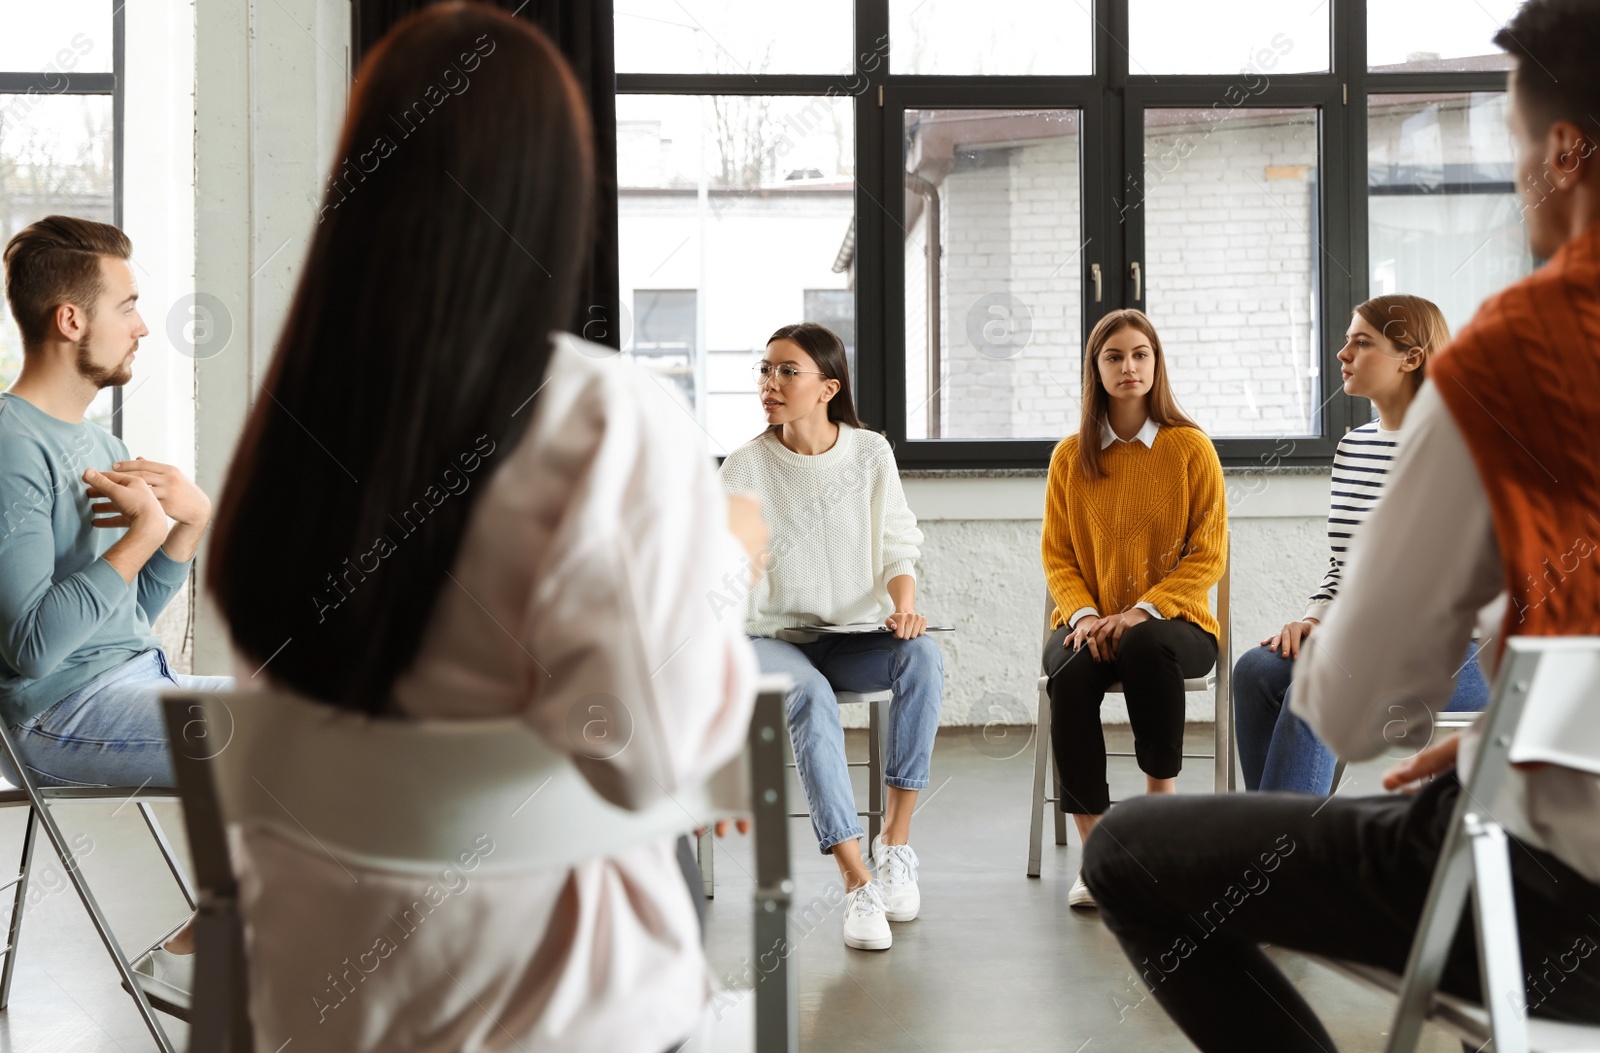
x: 397, y: 796
x: 877, y: 720
x: 1542, y: 710
x: 137, y: 973
x: 1220, y: 680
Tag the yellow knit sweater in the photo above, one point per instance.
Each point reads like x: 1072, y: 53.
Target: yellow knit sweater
x: 1154, y: 530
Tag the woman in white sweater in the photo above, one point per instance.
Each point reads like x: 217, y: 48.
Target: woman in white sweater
x: 843, y: 550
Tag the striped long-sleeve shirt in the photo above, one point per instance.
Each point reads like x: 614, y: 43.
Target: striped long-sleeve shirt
x: 1360, y: 466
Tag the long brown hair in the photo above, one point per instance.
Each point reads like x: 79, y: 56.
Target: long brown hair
x: 418, y: 336
x: 827, y: 351
x: 1411, y: 324
x: 1163, y: 407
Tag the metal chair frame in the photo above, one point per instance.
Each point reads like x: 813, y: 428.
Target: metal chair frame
x: 38, y: 800
x: 1219, y: 680
x: 1476, y: 858
x: 877, y: 719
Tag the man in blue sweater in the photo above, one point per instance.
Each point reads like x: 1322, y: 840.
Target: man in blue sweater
x: 87, y: 559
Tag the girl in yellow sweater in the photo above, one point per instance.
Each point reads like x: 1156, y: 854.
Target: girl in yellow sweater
x: 1135, y: 535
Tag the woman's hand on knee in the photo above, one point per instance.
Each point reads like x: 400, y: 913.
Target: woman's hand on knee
x: 1108, y: 633
x: 1286, y: 641
x: 1081, y: 634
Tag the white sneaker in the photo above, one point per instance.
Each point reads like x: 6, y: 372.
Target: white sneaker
x: 1080, y: 896
x: 866, y: 927
x: 897, y: 873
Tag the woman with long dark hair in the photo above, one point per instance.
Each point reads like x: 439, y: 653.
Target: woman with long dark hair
x: 1135, y: 535
x: 443, y: 506
x: 843, y: 551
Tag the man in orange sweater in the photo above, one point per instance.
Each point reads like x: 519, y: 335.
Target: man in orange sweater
x: 1501, y: 475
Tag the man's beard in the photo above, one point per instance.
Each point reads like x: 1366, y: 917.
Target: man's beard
x: 99, y: 376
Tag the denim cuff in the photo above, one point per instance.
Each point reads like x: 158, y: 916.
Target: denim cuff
x: 828, y: 843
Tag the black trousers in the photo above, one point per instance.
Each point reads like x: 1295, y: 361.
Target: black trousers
x: 1191, y: 885
x: 1153, y: 660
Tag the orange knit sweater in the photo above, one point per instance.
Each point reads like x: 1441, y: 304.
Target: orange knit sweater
x: 1522, y: 382
x: 1154, y: 530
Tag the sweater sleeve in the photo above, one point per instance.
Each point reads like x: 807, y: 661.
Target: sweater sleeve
x: 1061, y: 567
x: 159, y: 580
x: 901, y: 535
x: 43, y: 620
x: 1317, y: 606
x: 1205, y: 547
x: 643, y: 684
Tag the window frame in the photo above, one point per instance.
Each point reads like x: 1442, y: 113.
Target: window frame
x: 1112, y: 102
x: 112, y: 84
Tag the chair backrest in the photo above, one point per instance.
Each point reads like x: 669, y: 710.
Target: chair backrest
x: 397, y: 795
x: 1542, y: 709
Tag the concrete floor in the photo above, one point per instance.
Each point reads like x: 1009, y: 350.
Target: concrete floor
x: 996, y: 961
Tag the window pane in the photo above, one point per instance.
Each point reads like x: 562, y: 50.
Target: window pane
x: 1233, y: 265
x: 1430, y: 35
x: 836, y: 309
x: 994, y: 37
x: 1254, y: 38
x: 994, y: 326
x: 61, y: 37
x: 735, y: 214
x: 55, y: 156
x: 727, y: 36
x: 1444, y: 220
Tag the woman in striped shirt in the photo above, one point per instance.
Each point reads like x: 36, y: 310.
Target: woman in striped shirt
x: 1384, y: 359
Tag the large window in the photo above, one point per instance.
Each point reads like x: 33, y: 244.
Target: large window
x: 982, y: 180
x: 58, y: 142
x: 743, y: 206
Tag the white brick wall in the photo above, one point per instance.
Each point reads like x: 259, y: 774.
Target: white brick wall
x: 1228, y: 278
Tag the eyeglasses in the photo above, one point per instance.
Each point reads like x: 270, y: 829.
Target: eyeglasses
x: 765, y: 371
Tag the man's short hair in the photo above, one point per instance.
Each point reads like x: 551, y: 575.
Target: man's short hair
x: 57, y: 261
x: 1556, y: 43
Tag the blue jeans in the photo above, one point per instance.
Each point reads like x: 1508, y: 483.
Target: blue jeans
x: 1278, y: 750
x: 109, y: 732
x: 912, y: 669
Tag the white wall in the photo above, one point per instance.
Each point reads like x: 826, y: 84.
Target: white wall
x: 271, y: 80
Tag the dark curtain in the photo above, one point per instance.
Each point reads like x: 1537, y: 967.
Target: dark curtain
x: 582, y: 29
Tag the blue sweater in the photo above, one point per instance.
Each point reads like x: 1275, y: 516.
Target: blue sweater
x: 66, y: 615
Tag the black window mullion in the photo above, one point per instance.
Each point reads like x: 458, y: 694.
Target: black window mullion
x: 1343, y: 412
x: 17, y: 83
x: 873, y: 196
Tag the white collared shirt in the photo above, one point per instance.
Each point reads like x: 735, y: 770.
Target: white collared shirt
x: 1146, y: 435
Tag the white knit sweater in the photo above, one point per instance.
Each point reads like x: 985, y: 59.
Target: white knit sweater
x: 840, y: 531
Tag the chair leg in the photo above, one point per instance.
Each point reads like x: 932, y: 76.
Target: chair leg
x: 70, y: 861
x: 876, y: 719
x: 18, y: 903
x: 167, y: 853
x: 1041, y: 764
x: 705, y: 852
x: 1222, y: 748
